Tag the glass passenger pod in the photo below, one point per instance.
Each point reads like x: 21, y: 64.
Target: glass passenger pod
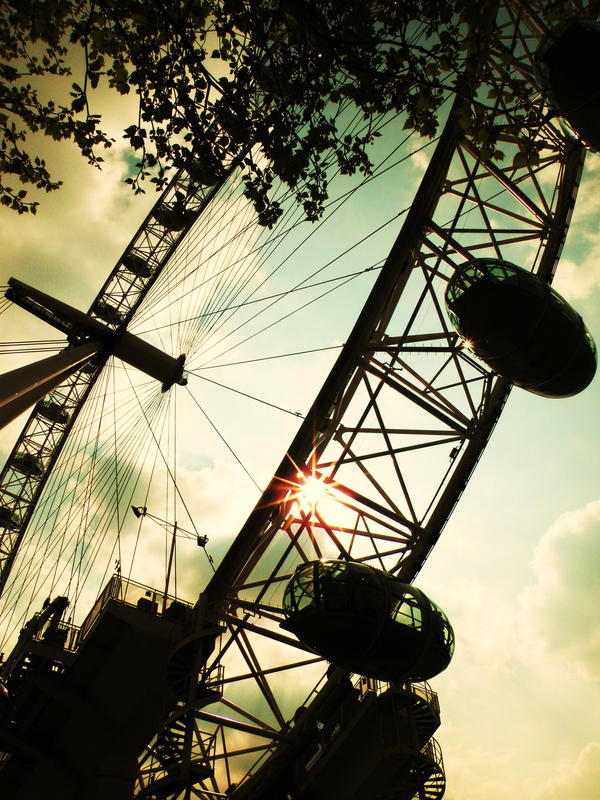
x: 567, y: 65
x: 175, y: 217
x: 8, y: 518
x: 367, y: 621
x: 137, y: 265
x: 108, y: 313
x: 53, y: 412
x: 204, y: 171
x: 522, y: 328
x: 27, y: 463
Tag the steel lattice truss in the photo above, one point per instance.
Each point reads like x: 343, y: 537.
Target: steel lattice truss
x: 124, y: 290
x: 390, y: 441
x: 394, y: 435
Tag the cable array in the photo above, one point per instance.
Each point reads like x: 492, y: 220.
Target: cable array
x: 209, y: 301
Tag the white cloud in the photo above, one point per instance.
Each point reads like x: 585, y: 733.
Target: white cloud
x: 578, y: 780
x: 78, y: 233
x: 588, y: 199
x: 476, y: 772
x: 420, y: 159
x: 578, y: 281
x: 485, y: 635
x: 467, y: 780
x: 219, y: 496
x: 559, y: 612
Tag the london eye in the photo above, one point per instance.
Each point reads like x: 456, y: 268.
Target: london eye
x: 161, y: 643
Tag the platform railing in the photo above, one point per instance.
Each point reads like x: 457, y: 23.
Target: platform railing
x: 433, y: 752
x: 424, y: 690
x: 138, y: 595
x: 62, y: 634
x: 421, y: 689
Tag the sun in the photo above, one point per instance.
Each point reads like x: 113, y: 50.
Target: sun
x: 312, y: 489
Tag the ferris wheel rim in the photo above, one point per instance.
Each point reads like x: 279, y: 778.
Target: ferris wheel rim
x: 499, y: 393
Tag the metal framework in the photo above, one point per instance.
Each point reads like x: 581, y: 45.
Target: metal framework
x: 115, y: 305
x: 388, y: 446
x: 393, y: 436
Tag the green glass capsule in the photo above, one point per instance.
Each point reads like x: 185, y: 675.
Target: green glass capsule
x: 567, y: 65
x: 367, y: 621
x: 522, y: 328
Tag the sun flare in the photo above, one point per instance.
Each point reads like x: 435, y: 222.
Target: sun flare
x: 311, y: 491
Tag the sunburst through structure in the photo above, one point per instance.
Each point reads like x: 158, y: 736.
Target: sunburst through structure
x: 312, y: 490
x: 194, y: 671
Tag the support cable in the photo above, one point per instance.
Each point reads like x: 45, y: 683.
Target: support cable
x: 245, y: 394
x: 225, y: 442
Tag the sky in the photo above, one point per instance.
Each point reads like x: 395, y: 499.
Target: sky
x: 516, y: 567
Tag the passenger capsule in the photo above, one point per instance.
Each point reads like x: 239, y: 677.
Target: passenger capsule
x: 204, y: 172
x: 137, y: 265
x: 521, y: 328
x: 175, y: 218
x: 366, y: 621
x: 568, y: 72
x: 8, y: 518
x: 53, y: 412
x: 108, y: 313
x: 27, y: 463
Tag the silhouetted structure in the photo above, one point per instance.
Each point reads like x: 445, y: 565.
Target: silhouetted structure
x: 367, y: 621
x: 568, y: 70
x: 521, y: 328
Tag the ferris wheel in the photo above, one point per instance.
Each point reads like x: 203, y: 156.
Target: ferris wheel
x: 248, y: 693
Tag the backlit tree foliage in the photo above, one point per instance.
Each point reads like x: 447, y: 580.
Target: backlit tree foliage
x: 266, y: 82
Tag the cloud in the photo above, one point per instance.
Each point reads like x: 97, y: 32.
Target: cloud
x: 475, y: 772
x: 219, y: 497
x: 578, y: 780
x: 479, y: 774
x: 79, y: 231
x: 588, y: 200
x: 559, y: 613
x: 578, y: 281
x: 485, y: 637
x: 420, y: 160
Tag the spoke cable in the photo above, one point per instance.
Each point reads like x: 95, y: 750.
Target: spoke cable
x: 245, y: 394
x: 220, y: 435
